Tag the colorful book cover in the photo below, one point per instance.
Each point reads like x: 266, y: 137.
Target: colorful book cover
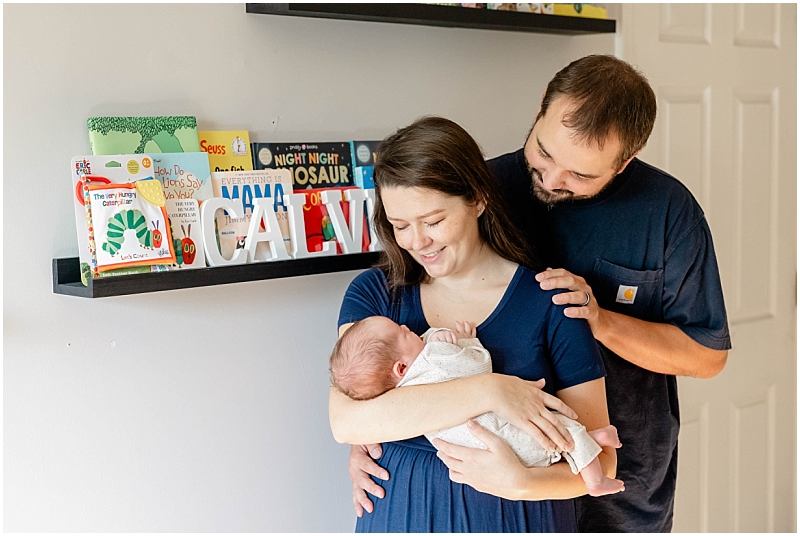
x: 187, y: 239
x: 249, y: 186
x: 136, y: 135
x: 312, y: 165
x: 184, y: 175
x: 129, y: 224
x: 319, y: 228
x: 117, y: 169
x: 228, y: 150
x: 362, y: 176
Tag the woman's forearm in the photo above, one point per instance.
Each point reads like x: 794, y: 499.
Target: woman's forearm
x: 409, y: 411
x: 558, y: 481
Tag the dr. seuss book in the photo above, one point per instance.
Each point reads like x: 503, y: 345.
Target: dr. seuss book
x: 134, y: 135
x: 319, y: 228
x: 128, y: 224
x: 104, y: 170
x: 184, y: 175
x: 313, y: 165
x: 249, y: 186
x: 187, y: 239
x: 228, y: 150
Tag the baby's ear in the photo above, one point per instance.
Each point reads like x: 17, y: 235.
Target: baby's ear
x: 399, y: 369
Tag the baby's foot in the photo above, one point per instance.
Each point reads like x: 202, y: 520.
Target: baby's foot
x: 605, y: 486
x: 606, y: 437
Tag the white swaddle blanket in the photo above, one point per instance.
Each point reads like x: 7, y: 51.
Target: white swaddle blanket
x: 442, y: 361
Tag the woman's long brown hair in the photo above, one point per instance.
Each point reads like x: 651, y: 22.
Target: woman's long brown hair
x: 437, y: 154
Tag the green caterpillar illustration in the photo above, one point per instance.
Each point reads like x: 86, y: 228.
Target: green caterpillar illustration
x: 130, y: 219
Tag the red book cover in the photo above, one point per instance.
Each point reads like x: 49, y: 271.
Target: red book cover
x: 319, y: 228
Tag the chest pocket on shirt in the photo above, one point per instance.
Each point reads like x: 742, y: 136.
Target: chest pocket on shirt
x: 635, y: 293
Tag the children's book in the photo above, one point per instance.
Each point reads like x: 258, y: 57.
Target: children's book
x: 228, y: 150
x: 128, y: 224
x: 319, y: 228
x: 118, y: 169
x: 187, y: 239
x: 135, y: 135
x: 184, y: 175
x: 249, y: 186
x: 363, y: 153
x: 312, y: 165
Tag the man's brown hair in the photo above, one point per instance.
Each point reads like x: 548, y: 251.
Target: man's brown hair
x: 607, y: 97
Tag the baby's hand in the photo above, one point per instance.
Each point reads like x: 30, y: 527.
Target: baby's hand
x: 464, y: 330
x: 443, y: 335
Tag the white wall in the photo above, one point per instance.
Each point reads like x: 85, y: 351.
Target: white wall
x: 224, y: 427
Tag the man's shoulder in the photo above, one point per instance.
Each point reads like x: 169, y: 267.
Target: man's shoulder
x: 660, y: 182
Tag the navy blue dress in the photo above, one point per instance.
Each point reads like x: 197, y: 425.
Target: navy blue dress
x: 529, y: 337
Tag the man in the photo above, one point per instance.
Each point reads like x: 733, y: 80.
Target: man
x: 634, y: 251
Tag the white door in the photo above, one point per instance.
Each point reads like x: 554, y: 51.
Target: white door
x: 725, y: 79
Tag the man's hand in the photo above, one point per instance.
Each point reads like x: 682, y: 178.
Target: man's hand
x: 360, y: 467
x: 579, y: 291
x: 496, y: 470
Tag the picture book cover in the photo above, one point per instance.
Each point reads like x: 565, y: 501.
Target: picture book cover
x: 187, y: 240
x: 117, y: 169
x: 249, y: 186
x: 319, y: 228
x: 228, y: 150
x: 312, y: 165
x: 129, y: 224
x: 184, y: 175
x: 363, y: 153
x: 136, y: 135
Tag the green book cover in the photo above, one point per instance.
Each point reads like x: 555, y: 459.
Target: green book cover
x: 137, y: 135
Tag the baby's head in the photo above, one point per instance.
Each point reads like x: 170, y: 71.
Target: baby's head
x: 372, y: 357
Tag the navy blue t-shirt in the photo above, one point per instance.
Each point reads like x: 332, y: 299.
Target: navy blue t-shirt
x: 527, y: 336
x: 644, y: 247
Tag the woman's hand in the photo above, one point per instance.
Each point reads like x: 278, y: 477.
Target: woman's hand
x: 524, y: 404
x: 360, y: 467
x: 496, y: 470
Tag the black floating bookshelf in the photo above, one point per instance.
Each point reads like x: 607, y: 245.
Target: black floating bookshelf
x: 67, y: 276
x: 447, y: 16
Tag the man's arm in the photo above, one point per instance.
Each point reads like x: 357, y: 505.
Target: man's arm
x: 661, y: 348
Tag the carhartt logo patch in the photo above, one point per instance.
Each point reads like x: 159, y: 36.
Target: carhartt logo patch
x: 626, y: 294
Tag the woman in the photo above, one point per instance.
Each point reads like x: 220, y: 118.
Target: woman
x: 452, y: 254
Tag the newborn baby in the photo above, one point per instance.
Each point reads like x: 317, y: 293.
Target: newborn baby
x: 375, y: 355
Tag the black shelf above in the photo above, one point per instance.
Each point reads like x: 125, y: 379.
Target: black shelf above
x: 67, y: 276
x: 447, y: 16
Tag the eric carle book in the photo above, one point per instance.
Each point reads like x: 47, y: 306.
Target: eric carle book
x: 228, y: 150
x: 184, y: 175
x: 118, y: 169
x: 187, y: 236
x: 130, y: 225
x: 135, y: 135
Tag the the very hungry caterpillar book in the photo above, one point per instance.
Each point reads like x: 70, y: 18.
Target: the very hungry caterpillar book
x: 104, y: 170
x: 128, y: 224
x: 134, y: 135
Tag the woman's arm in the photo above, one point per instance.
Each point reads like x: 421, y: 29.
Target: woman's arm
x: 416, y: 410
x: 498, y: 471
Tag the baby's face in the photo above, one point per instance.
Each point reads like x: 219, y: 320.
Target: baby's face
x: 409, y: 345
